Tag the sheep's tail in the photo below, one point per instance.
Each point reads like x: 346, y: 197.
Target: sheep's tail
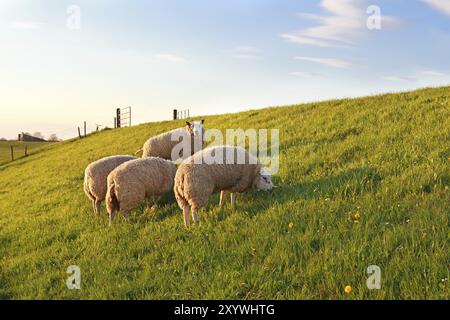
x: 112, y: 204
x: 139, y: 151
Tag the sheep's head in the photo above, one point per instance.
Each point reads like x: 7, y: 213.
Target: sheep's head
x: 195, y: 128
x: 264, y: 180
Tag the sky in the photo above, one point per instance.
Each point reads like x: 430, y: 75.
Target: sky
x: 65, y: 62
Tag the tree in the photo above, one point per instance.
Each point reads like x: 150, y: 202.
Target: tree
x: 3, y: 139
x: 53, y: 138
x: 39, y: 135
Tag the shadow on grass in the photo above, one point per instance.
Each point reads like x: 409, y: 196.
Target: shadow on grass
x: 346, y: 185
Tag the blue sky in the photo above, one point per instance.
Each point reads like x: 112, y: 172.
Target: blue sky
x: 208, y: 56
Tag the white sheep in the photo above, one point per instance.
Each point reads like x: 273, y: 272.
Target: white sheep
x: 95, y: 178
x: 163, y: 144
x: 214, y: 169
x: 129, y: 184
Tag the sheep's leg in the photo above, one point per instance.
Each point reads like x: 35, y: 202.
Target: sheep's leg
x: 223, y: 195
x: 94, y: 206
x: 195, y: 216
x: 111, y: 217
x: 155, y: 200
x: 233, y: 199
x: 97, y: 205
x: 187, y: 219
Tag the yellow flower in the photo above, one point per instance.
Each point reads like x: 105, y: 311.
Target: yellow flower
x: 357, y: 216
x: 348, y: 289
x: 291, y: 225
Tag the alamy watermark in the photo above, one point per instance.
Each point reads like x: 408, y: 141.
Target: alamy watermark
x: 374, y: 20
x: 256, y: 142
x: 74, y: 280
x: 73, y: 21
x: 374, y: 280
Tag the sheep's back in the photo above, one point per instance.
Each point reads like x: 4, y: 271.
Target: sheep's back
x: 97, y: 172
x: 162, y: 144
x: 153, y: 175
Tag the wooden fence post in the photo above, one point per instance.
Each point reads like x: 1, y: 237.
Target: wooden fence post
x: 118, y: 117
x: 26, y: 151
x: 79, y: 132
x: 85, y: 128
x: 175, y: 113
x: 12, y: 153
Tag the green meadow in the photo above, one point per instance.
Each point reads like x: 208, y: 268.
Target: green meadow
x: 361, y: 182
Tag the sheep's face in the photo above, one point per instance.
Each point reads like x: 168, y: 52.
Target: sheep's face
x: 196, y: 128
x: 264, y: 181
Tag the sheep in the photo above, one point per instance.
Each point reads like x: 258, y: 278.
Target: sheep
x: 214, y: 169
x: 95, y: 176
x: 129, y: 184
x: 163, y: 145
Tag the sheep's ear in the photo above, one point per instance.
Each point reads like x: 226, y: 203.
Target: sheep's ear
x: 203, y: 121
x: 188, y: 123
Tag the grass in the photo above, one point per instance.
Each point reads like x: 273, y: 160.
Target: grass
x: 19, y: 149
x: 384, y: 157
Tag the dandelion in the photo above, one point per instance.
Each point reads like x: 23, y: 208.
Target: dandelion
x: 348, y: 289
x: 356, y: 217
x: 291, y: 225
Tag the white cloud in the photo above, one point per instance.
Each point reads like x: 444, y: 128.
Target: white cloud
x: 306, y: 74
x: 400, y: 79
x: 331, y: 62
x: 441, y: 5
x: 170, y: 57
x: 25, y: 25
x: 246, y: 52
x: 345, y: 23
x: 434, y: 73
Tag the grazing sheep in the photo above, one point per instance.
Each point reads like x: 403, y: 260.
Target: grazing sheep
x: 129, y: 184
x: 162, y: 145
x: 209, y: 171
x: 95, y: 177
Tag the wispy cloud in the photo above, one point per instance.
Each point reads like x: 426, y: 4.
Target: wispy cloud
x: 442, y: 6
x: 345, y: 23
x: 306, y: 74
x: 331, y: 62
x: 170, y: 57
x: 25, y: 25
x: 400, y: 79
x: 246, y: 52
x: 434, y: 73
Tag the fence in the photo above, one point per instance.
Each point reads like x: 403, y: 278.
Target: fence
x: 180, y: 114
x: 123, y: 117
x: 10, y: 153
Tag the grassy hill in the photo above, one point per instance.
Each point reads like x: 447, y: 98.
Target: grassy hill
x: 384, y: 157
x: 19, y: 149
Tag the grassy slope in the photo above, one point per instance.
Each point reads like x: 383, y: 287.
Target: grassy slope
x: 384, y: 156
x: 19, y: 149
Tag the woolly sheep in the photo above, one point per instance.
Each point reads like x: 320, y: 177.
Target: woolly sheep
x: 129, y: 184
x: 95, y: 178
x: 162, y: 145
x: 208, y: 171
